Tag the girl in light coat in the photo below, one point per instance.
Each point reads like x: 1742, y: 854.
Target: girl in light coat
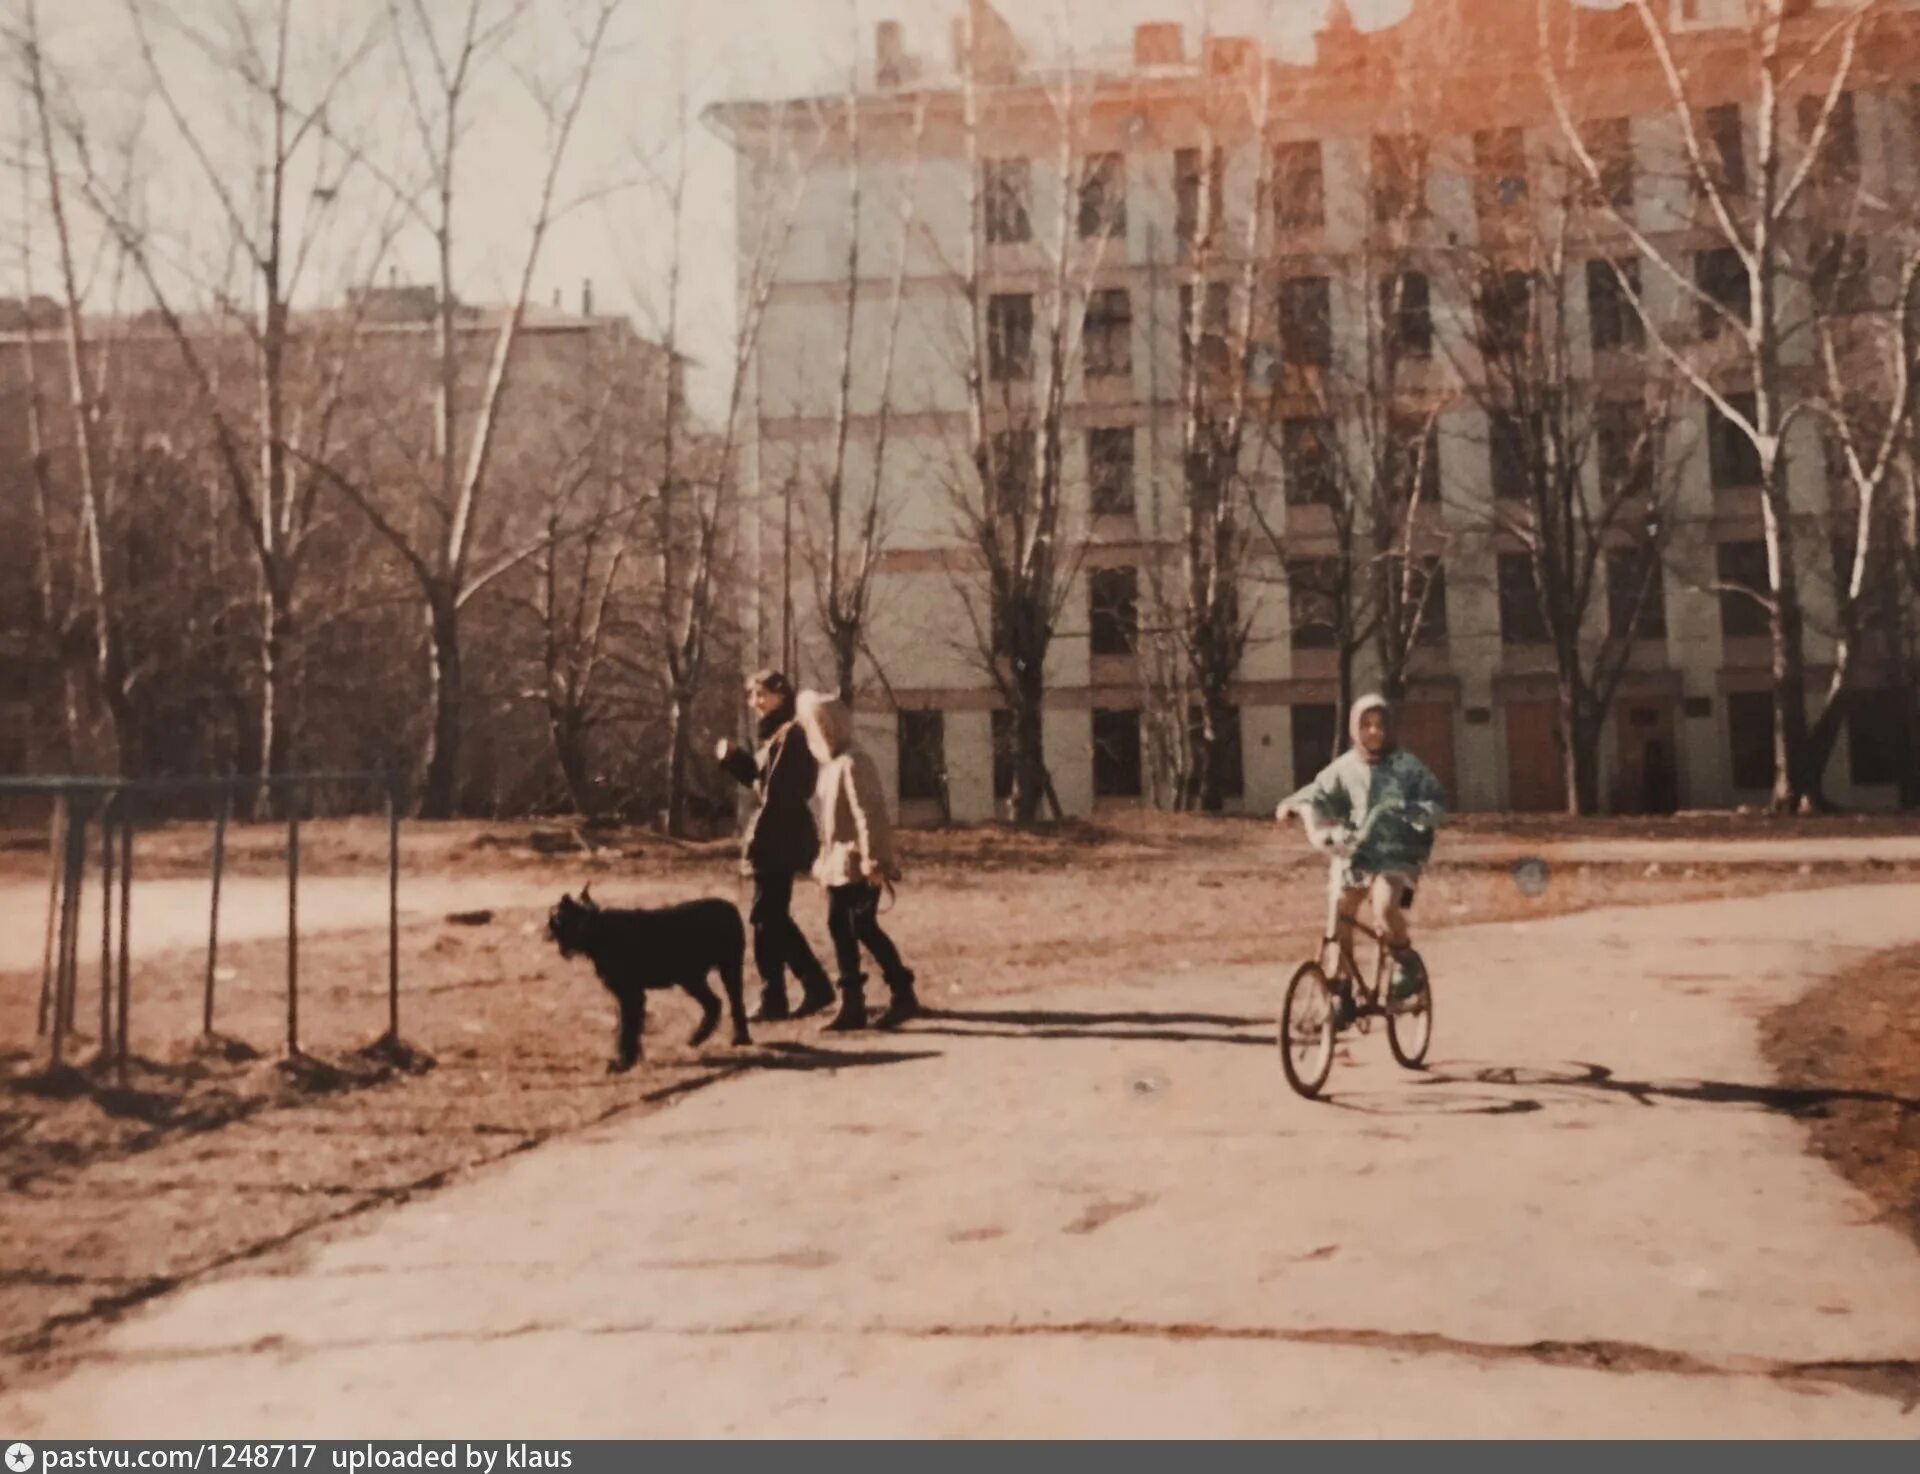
x: 856, y: 858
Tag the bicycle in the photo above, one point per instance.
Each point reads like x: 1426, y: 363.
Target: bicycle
x: 1309, y: 1024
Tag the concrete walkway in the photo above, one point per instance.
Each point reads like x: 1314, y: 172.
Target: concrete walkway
x: 1105, y: 1215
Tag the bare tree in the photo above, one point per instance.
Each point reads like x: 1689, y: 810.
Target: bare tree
x: 1016, y: 353
x: 847, y: 553
x: 1795, y: 63
x: 266, y: 442
x: 449, y: 567
x: 1581, y: 481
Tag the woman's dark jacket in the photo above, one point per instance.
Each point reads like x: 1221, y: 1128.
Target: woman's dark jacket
x: 780, y: 836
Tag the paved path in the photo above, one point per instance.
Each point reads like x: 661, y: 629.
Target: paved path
x: 1108, y: 1216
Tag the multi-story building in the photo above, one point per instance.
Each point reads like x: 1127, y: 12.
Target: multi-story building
x: 1382, y: 156
x: 195, y: 714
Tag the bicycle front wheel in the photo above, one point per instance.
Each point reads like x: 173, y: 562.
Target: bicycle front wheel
x: 1410, y: 1022
x: 1307, y: 1029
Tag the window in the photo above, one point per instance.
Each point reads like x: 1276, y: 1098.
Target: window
x: 1110, y: 470
x: 1722, y: 278
x: 1724, y: 148
x: 1313, y: 602
x: 1399, y: 177
x: 1743, y: 566
x: 1612, y: 319
x: 1879, y: 736
x: 1227, y: 755
x: 922, y: 737
x: 1840, y: 148
x: 1192, y: 221
x: 1113, y: 610
x: 1210, y: 332
x: 1299, y: 186
x: 1008, y: 188
x: 1426, y: 612
x: 1013, y: 467
x: 1733, y: 460
x: 1306, y: 455
x: 1406, y: 310
x: 1499, y: 171
x: 1306, y: 322
x: 1413, y: 455
x: 1609, y: 143
x: 1108, y: 335
x: 1750, y: 738
x: 1116, y: 754
x: 1506, y: 312
x: 1003, y: 749
x: 1839, y: 272
x: 1636, y: 595
x: 1623, y: 445
x: 1522, y: 621
x: 1509, y: 455
x: 1315, y: 730
x: 1103, y: 196
x: 1010, y: 336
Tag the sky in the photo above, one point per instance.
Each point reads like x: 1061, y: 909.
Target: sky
x: 663, y: 62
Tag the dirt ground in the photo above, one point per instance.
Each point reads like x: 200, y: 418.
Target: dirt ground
x: 1858, y: 1035
x: 214, y: 1155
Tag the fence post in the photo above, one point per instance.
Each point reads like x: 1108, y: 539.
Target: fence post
x: 126, y: 915
x: 74, y: 869
x: 55, y: 890
x: 213, y: 910
x: 106, y: 931
x: 393, y: 913
x: 293, y: 924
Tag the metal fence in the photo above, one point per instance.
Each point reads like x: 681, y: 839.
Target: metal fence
x: 117, y: 806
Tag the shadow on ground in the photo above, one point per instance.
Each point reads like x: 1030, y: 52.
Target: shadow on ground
x: 1460, y: 1089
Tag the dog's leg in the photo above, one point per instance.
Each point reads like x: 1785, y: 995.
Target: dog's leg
x: 633, y: 1023
x: 730, y: 979
x: 709, y: 1008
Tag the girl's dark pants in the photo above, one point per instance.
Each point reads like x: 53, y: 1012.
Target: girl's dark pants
x: 853, y: 917
x: 778, y: 944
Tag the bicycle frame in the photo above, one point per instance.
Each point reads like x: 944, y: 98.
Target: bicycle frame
x: 1347, y: 967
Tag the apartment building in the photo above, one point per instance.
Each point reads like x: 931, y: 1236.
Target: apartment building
x: 1373, y: 164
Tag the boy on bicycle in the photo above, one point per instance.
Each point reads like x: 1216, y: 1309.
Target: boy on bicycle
x: 1374, y: 808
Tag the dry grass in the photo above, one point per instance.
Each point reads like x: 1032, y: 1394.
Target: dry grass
x: 1853, y: 1045
x: 223, y: 1154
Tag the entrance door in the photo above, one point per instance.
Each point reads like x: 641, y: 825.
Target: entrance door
x: 1426, y: 730
x: 1536, y: 772
x: 1649, y: 774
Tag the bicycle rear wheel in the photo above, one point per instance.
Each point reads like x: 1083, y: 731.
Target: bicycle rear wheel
x: 1307, y: 1030
x: 1410, y: 1020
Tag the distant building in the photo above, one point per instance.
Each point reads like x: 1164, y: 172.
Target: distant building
x: 1364, y: 184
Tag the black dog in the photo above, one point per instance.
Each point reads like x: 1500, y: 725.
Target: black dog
x: 673, y: 947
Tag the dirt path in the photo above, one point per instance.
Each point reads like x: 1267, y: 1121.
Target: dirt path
x: 1103, y: 1214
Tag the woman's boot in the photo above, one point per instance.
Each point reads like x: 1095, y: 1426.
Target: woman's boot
x: 853, y: 1007
x: 903, y: 1005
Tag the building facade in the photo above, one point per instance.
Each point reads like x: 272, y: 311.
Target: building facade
x: 1415, y: 156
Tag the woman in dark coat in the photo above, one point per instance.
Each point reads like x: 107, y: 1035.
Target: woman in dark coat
x: 780, y: 843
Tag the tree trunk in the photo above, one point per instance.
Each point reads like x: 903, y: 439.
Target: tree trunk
x: 1209, y: 759
x: 1581, y: 726
x: 277, y: 717
x: 569, y: 735
x: 845, y: 655
x: 440, y: 791
x: 679, y: 743
x: 1029, y: 753
x: 1794, y: 778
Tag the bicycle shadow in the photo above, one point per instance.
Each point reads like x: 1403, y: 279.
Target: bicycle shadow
x: 1463, y: 1088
